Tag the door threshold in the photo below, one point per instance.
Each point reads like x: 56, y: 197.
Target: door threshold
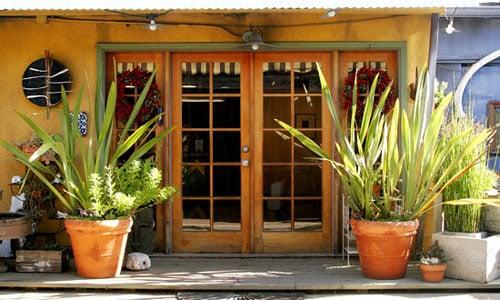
x: 248, y: 255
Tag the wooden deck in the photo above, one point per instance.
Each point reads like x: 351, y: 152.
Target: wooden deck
x: 318, y: 274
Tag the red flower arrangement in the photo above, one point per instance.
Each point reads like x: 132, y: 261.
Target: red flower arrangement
x: 365, y: 78
x: 137, y: 78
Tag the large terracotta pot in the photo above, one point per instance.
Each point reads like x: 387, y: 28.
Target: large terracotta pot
x: 384, y: 247
x: 432, y: 273
x: 98, y: 246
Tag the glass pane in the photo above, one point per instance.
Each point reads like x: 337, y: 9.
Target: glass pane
x: 195, y: 180
x: 196, y: 215
x: 276, y: 108
x: 277, y: 215
x: 307, y: 181
x: 307, y: 112
x: 306, y: 78
x: 226, y: 77
x: 277, y: 77
x: 277, y: 146
x: 195, y: 112
x: 227, y: 181
x: 195, y: 77
x: 226, y: 112
x: 226, y: 146
x: 307, y: 215
x: 227, y: 215
x: 302, y: 152
x: 195, y: 146
x: 277, y: 181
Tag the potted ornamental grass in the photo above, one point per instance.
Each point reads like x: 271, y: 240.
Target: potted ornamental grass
x: 432, y: 263
x: 95, y: 176
x: 400, y: 154
x: 467, y: 220
x: 473, y: 251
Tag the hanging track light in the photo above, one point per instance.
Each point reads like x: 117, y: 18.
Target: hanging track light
x: 253, y: 40
x: 331, y: 12
x: 450, y: 29
x: 152, y: 23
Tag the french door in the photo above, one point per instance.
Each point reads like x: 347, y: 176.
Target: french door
x: 245, y: 185
x: 292, y: 196
x: 210, y: 110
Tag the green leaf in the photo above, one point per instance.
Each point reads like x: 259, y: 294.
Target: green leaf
x: 306, y: 141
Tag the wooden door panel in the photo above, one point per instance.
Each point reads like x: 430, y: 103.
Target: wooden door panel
x: 281, y: 176
x: 209, y: 90
x: 386, y: 60
x: 117, y: 63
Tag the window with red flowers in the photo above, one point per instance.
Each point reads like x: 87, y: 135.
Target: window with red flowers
x: 365, y: 76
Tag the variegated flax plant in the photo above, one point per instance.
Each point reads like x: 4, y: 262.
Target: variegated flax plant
x: 400, y: 153
x: 88, y: 163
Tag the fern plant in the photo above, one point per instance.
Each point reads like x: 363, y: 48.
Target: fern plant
x: 122, y: 191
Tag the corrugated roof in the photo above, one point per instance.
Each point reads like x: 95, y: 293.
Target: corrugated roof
x: 225, y: 4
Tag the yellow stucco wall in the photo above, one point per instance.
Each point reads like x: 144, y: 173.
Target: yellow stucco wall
x: 74, y: 44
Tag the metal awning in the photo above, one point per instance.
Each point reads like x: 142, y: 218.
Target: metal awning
x: 233, y: 68
x: 228, y: 4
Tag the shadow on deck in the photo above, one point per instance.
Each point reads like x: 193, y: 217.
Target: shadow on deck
x: 242, y: 274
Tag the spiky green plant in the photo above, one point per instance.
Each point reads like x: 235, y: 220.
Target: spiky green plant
x: 473, y: 184
x: 407, y: 165
x: 85, y: 162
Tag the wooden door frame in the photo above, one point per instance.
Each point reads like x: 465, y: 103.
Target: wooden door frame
x: 290, y: 242
x: 158, y: 57
x: 333, y: 46
x: 342, y: 58
x: 217, y: 242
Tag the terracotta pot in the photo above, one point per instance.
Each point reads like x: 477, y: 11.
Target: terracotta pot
x: 432, y: 273
x: 384, y: 247
x: 98, y: 246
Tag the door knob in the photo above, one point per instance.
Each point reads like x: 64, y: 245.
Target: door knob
x: 245, y: 162
x: 245, y: 149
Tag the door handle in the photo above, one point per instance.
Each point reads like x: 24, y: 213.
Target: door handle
x: 245, y: 162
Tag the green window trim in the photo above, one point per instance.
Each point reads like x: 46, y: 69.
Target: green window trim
x: 400, y: 47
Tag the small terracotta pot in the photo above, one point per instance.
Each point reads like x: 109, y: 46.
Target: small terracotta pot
x: 384, y: 247
x: 98, y: 246
x: 432, y: 273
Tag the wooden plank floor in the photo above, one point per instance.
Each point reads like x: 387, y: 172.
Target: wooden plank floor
x: 245, y: 274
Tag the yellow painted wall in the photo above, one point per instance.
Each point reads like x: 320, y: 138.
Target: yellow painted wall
x: 74, y: 44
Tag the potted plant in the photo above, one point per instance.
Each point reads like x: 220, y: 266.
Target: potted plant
x: 99, y: 209
x: 31, y: 144
x: 432, y: 264
x: 404, y: 155
x: 464, y: 223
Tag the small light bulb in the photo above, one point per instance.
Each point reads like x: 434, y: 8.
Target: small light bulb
x: 450, y: 28
x: 331, y: 13
x: 255, y: 46
x: 152, y: 25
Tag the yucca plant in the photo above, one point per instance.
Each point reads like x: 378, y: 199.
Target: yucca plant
x: 401, y: 153
x: 84, y: 161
